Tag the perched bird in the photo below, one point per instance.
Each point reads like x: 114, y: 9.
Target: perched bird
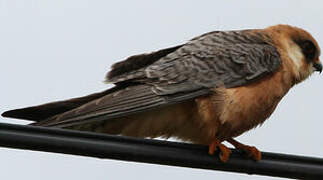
x: 209, y: 90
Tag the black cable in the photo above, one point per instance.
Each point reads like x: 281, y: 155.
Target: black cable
x: 154, y: 151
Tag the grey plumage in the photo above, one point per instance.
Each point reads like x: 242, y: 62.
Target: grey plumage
x: 216, y: 59
x: 228, y: 59
x: 130, y: 100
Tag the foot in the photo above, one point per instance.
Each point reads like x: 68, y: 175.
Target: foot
x: 224, y: 151
x: 251, y: 151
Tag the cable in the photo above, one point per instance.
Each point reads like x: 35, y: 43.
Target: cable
x: 154, y: 151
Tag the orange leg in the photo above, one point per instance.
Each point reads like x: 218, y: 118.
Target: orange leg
x: 224, y: 151
x: 251, y: 151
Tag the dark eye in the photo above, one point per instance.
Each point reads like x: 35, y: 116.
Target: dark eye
x: 309, y: 49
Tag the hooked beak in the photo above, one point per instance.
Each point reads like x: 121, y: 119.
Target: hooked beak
x: 318, y: 67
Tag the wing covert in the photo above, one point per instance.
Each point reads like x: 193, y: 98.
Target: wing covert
x: 208, y: 63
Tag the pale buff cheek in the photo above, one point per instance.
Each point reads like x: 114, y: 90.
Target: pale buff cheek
x: 301, y: 69
x: 295, y: 54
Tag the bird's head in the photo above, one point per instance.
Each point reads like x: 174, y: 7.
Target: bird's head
x: 299, y: 48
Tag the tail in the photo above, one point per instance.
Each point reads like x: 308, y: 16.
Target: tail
x: 42, y: 112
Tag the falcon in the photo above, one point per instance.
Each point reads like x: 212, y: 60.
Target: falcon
x: 209, y: 90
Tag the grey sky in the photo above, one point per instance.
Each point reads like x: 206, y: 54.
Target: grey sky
x: 53, y: 50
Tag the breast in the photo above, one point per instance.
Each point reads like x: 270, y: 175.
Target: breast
x: 248, y: 106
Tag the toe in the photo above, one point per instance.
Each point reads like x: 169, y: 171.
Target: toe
x: 254, y: 153
x: 224, y: 156
x: 212, y: 148
x: 224, y: 153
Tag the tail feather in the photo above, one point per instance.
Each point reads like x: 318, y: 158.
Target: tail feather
x: 42, y: 112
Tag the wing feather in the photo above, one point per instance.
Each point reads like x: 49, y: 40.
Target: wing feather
x: 217, y: 59
x: 229, y: 59
x: 130, y: 100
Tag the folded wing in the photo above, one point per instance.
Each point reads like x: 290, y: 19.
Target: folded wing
x: 216, y: 59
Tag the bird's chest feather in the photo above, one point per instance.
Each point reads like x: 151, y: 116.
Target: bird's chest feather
x: 246, y: 107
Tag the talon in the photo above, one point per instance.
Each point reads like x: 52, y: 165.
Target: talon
x: 252, y: 152
x: 224, y: 151
x: 223, y: 158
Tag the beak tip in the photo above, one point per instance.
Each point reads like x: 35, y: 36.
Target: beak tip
x: 318, y: 67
